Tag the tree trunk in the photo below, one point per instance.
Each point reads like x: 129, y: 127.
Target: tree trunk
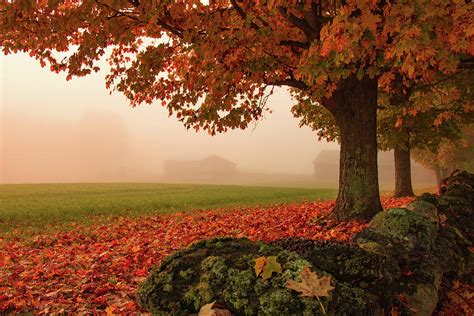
x: 354, y: 106
x: 444, y: 173
x: 438, y: 174
x: 403, y: 185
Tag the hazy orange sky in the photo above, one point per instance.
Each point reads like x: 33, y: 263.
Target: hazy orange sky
x: 51, y: 129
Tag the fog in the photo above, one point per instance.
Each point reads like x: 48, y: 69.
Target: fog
x: 53, y: 130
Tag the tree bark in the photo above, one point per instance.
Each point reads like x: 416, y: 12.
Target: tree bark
x: 403, y: 186
x: 354, y: 106
x: 438, y: 174
x: 444, y: 173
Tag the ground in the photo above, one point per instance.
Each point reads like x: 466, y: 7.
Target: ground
x: 98, y: 267
x: 32, y: 208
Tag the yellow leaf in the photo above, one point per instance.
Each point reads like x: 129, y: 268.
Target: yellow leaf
x: 271, y: 266
x: 265, y: 266
x: 259, y: 264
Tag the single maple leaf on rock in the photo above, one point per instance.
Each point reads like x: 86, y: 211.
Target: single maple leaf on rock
x: 265, y: 266
x: 311, y: 285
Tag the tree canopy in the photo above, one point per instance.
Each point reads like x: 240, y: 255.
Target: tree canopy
x: 210, y: 62
x: 449, y: 155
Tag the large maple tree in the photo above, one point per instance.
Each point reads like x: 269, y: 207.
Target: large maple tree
x: 212, y: 63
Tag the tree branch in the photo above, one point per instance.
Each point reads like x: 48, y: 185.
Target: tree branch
x: 290, y: 82
x: 136, y: 3
x: 170, y: 28
x: 467, y: 63
x: 297, y: 22
x: 441, y: 80
x: 118, y: 12
x: 242, y: 14
x: 292, y: 43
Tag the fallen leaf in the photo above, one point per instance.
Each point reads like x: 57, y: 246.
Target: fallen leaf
x: 265, y: 266
x: 210, y: 310
x: 271, y: 266
x: 74, y: 262
x: 259, y: 264
x: 311, y: 285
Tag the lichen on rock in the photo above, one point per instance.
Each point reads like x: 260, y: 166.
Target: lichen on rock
x: 425, y: 209
x: 416, y: 231
x: 402, y: 258
x: 368, y: 274
x: 222, y: 270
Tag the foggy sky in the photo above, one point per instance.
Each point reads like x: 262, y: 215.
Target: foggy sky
x: 53, y: 130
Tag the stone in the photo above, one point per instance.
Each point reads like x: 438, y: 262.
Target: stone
x: 222, y: 270
x: 376, y: 273
x: 425, y: 209
x: 400, y: 259
x: 423, y: 300
x: 406, y: 226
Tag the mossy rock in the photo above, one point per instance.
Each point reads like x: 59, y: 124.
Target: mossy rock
x: 459, y: 213
x: 449, y: 260
x: 463, y: 191
x: 452, y: 244
x: 407, y: 236
x: 425, y: 209
x: 222, y: 270
x: 428, y: 197
x: 416, y: 230
x: 368, y: 270
x: 457, y: 201
x: 463, y: 178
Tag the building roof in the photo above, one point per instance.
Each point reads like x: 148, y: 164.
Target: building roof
x: 211, y: 159
x: 217, y: 159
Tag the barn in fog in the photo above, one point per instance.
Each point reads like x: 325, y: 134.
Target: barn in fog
x: 326, y: 169
x: 212, y: 168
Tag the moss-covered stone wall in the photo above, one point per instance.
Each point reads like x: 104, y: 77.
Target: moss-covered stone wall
x: 404, y: 258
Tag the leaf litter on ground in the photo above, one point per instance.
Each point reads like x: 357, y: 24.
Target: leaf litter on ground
x: 97, y: 268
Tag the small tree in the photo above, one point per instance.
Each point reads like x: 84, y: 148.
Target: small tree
x: 420, y: 116
x: 212, y: 63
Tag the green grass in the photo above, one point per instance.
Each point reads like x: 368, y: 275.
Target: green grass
x: 32, y: 208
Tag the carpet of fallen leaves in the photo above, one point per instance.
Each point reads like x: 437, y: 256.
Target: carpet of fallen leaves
x: 459, y: 300
x: 98, y: 268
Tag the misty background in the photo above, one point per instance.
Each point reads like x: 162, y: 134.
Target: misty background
x: 53, y: 130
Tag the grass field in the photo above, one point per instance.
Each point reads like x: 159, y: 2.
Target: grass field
x: 31, y: 208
